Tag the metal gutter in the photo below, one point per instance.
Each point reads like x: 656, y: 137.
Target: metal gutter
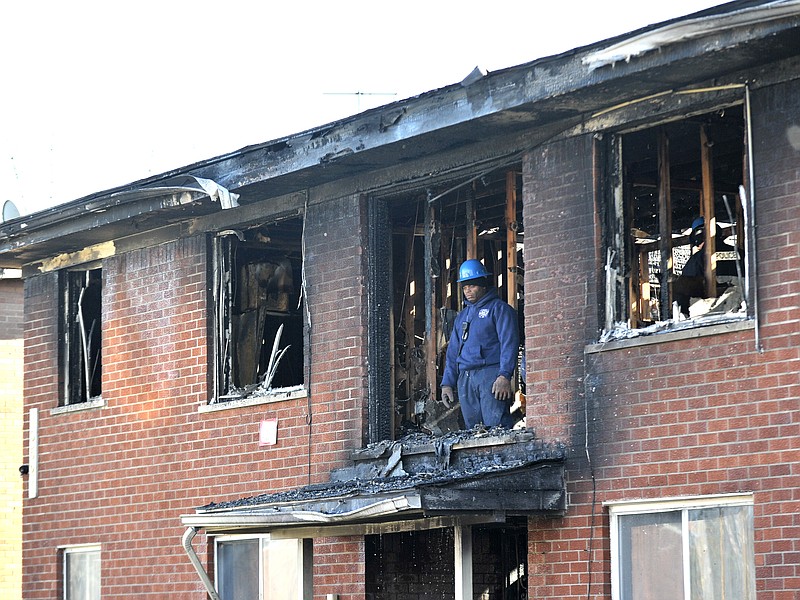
x: 749, y: 206
x: 265, y: 518
x: 244, y: 518
x: 173, y: 191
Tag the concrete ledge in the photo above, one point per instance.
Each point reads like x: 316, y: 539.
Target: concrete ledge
x: 275, y: 396
x: 71, y: 408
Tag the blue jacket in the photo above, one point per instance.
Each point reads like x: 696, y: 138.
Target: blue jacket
x: 492, y: 339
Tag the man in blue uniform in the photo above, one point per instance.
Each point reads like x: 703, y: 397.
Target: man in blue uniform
x: 482, y: 353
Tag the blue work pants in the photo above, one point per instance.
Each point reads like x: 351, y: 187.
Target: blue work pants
x: 478, y: 404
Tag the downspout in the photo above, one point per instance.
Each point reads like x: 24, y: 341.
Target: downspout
x: 187, y: 538
x: 750, y: 203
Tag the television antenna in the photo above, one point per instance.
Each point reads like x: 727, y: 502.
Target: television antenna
x: 358, y: 95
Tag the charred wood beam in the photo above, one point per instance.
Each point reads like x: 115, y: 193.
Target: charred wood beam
x: 380, y: 349
x: 523, y: 502
x: 432, y: 273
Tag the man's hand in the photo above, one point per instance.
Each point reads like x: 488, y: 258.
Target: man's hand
x: 447, y: 396
x: 501, y: 389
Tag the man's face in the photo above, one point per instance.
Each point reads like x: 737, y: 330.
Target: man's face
x: 472, y: 292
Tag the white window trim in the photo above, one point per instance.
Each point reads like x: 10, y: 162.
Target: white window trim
x: 620, y: 508
x: 628, y: 507
x: 262, y: 537
x: 75, y: 549
x: 70, y: 548
x: 234, y: 538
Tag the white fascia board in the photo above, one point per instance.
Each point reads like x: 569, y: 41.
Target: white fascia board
x: 686, y: 30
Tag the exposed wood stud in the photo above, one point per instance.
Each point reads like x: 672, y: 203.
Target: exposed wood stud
x: 408, y: 316
x: 707, y: 210
x: 638, y: 258
x: 511, y: 238
x: 665, y: 224
x: 471, y: 225
x: 431, y: 274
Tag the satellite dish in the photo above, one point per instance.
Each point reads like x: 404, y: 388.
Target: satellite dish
x: 9, y: 211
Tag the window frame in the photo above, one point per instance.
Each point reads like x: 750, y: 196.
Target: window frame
x: 75, y: 391
x: 66, y: 553
x: 621, y: 509
x: 224, y: 287
x: 620, y: 320
x: 304, y: 561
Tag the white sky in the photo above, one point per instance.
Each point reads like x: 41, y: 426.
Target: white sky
x: 98, y: 94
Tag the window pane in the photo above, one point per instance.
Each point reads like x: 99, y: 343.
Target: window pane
x: 237, y: 569
x: 650, y: 563
x: 82, y: 575
x: 721, y: 553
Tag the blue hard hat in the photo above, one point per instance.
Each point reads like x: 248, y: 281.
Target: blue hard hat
x: 471, y: 269
x: 696, y: 237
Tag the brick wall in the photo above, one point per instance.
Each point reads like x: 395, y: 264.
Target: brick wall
x: 560, y: 312
x: 336, y: 267
x: 688, y: 417
x: 11, y: 327
x: 10, y: 437
x: 122, y: 475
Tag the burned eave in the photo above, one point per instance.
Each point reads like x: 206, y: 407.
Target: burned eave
x: 503, y: 473
x: 99, y: 218
x: 499, y: 115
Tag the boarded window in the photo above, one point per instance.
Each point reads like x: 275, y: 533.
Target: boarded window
x: 258, y: 329
x: 81, y: 335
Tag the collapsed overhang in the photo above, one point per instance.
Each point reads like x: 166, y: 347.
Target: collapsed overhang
x: 502, y: 475
x: 532, y: 489
x: 416, y: 483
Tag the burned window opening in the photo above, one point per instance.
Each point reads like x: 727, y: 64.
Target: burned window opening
x: 664, y: 268
x: 259, y: 332
x: 82, y: 362
x: 499, y: 561
x: 429, y: 241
